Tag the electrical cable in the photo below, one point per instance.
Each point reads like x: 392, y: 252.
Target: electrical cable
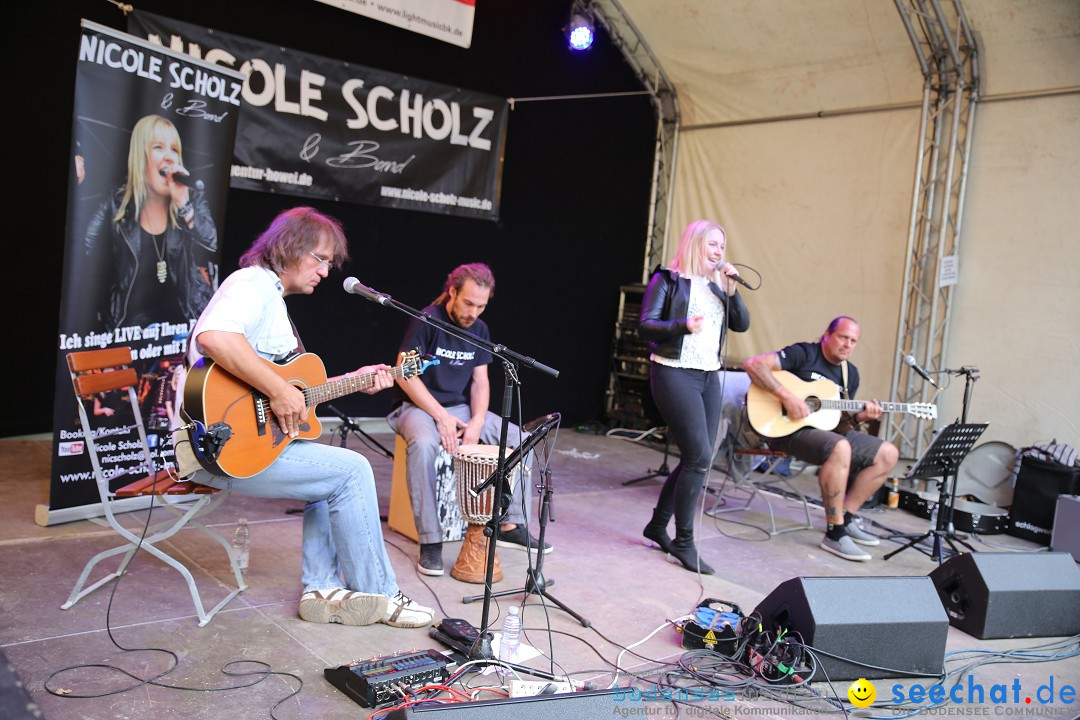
x: 141, y: 681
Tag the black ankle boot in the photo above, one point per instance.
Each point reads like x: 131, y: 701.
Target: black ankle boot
x: 685, y: 552
x: 658, y: 534
x: 656, y: 530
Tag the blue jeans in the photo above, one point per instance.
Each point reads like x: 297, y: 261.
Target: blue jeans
x: 690, y: 403
x: 422, y: 438
x: 342, y: 531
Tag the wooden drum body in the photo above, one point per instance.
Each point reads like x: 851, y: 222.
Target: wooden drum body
x: 473, y: 464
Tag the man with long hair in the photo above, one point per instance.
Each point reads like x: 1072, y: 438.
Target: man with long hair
x: 347, y: 575
x: 448, y: 405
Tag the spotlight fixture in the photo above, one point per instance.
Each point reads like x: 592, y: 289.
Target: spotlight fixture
x: 580, y: 32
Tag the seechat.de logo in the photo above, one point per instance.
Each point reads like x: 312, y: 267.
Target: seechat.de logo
x: 977, y: 694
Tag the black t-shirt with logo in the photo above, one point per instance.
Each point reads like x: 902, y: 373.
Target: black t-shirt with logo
x: 806, y: 361
x: 448, y: 382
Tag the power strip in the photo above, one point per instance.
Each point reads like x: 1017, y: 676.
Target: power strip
x: 528, y: 688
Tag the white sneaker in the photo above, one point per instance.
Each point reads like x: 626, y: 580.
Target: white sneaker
x: 856, y: 532
x: 406, y: 613
x: 342, y: 606
x: 845, y: 548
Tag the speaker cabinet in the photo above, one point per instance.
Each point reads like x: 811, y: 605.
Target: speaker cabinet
x: 1010, y: 594
x: 568, y: 706
x: 895, y: 623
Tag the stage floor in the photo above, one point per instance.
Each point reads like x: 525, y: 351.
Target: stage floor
x: 601, y: 567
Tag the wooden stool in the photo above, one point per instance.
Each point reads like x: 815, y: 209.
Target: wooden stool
x: 400, y: 517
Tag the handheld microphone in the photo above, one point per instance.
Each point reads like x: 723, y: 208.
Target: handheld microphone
x: 184, y: 178
x: 736, y: 277
x: 355, y: 287
x: 910, y: 360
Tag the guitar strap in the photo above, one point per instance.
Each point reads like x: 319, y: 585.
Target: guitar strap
x: 847, y: 420
x: 300, y: 343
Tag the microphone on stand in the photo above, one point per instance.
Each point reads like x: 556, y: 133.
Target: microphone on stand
x: 910, y: 360
x: 345, y: 421
x: 183, y: 177
x: 355, y: 287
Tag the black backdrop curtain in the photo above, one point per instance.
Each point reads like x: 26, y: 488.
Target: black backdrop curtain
x: 575, y: 195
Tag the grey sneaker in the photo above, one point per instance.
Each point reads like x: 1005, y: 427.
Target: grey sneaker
x: 430, y: 561
x: 855, y: 531
x: 342, y: 606
x: 845, y: 548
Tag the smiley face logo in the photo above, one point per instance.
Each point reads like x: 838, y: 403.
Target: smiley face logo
x: 862, y: 693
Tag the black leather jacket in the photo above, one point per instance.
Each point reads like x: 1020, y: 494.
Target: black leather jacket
x: 186, y: 249
x: 662, y: 322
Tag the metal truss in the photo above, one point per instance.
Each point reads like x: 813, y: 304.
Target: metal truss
x: 948, y: 57
x: 625, y: 36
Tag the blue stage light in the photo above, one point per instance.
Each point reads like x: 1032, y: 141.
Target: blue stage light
x: 580, y: 31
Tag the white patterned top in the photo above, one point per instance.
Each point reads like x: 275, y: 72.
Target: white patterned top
x: 700, y: 349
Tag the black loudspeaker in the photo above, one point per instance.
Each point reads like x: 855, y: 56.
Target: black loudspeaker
x: 1011, y: 594
x: 568, y: 706
x: 892, y: 623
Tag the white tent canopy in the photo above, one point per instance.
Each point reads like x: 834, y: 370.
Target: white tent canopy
x: 799, y: 134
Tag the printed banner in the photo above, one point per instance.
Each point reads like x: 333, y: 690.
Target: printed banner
x: 151, y: 141
x: 322, y: 128
x: 447, y: 20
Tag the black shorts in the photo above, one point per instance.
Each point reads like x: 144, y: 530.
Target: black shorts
x: 814, y: 446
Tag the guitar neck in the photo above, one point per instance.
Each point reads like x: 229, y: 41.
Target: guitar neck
x: 854, y: 406
x: 346, y: 385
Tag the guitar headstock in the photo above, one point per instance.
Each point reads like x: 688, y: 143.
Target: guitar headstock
x: 413, y: 364
x: 926, y: 411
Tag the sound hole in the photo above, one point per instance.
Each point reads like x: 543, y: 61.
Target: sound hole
x: 814, y: 403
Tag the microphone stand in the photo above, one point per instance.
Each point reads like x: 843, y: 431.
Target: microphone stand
x: 535, y: 582
x: 481, y: 649
x: 348, y: 426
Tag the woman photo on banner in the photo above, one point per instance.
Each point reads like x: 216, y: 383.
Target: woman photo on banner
x: 154, y: 235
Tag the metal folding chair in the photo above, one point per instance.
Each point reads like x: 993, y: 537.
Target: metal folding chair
x: 738, y: 448
x: 100, y: 371
x: 760, y: 485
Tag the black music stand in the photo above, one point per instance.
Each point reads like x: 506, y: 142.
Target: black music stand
x: 942, y: 460
x: 535, y: 583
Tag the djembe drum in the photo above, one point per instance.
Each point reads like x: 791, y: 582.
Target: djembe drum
x: 473, y: 464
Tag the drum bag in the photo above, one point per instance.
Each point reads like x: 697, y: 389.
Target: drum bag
x: 1038, y: 484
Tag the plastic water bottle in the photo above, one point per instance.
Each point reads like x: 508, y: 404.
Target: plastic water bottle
x: 511, y: 634
x: 242, y: 544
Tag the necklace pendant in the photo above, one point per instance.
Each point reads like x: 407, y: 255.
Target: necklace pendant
x: 162, y: 271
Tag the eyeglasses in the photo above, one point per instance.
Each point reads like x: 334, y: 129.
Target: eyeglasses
x: 324, y: 263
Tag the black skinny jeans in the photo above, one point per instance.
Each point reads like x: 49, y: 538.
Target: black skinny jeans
x: 690, y: 402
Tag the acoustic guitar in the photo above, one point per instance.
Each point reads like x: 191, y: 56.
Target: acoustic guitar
x: 235, y: 433
x: 769, y: 419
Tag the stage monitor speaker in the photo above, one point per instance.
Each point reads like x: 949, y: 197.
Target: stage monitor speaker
x: 567, y: 706
x: 1065, y: 537
x: 1011, y: 594
x: 15, y: 702
x: 895, y: 624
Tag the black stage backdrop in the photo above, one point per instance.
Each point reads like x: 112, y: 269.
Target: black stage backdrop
x: 575, y: 195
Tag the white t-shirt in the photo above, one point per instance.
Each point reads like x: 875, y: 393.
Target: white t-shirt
x: 249, y: 302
